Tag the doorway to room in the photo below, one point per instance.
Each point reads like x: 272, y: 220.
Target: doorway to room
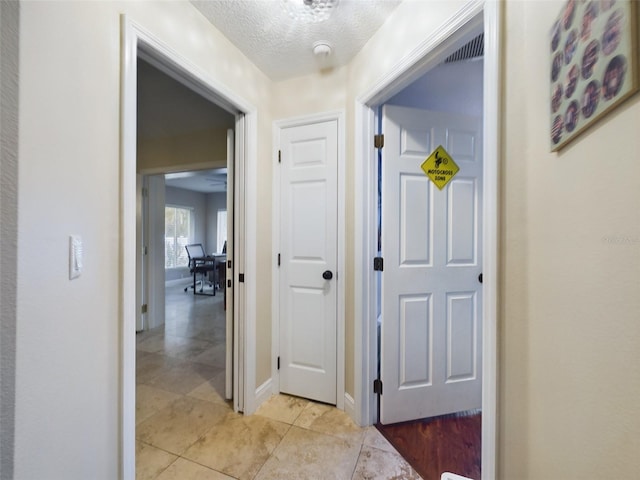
x: 467, y: 313
x: 177, y: 130
x: 139, y: 44
x: 430, y: 290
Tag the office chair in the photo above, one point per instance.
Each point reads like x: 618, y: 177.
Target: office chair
x: 200, y: 264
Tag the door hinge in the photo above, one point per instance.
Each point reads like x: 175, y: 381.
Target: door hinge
x: 278, y: 259
x: 229, y: 264
x: 241, y: 277
x: 145, y: 250
x: 279, y: 156
x: 377, y: 386
x: 378, y: 141
x: 378, y: 264
x: 144, y: 308
x: 278, y: 363
x: 229, y: 283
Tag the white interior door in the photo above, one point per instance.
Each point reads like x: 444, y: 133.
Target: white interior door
x: 228, y: 286
x: 308, y: 260
x: 431, y: 290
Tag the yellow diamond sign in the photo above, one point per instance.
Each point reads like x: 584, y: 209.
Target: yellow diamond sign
x: 440, y: 167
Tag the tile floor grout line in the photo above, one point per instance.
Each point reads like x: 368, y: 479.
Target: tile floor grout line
x: 166, y: 468
x: 186, y: 459
x: 355, y: 467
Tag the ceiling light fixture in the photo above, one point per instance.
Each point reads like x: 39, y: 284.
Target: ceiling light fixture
x: 310, y: 11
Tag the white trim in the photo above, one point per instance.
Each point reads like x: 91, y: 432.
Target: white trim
x: 349, y: 405
x: 415, y: 64
x: 275, y: 249
x: 264, y: 392
x: 128, y: 113
x: 365, y: 337
x: 491, y: 124
x: 339, y: 116
x: 428, y: 54
x: 136, y: 41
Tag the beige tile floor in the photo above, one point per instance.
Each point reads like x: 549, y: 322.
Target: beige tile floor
x: 186, y: 430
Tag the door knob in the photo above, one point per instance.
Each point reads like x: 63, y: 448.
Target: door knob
x: 327, y: 275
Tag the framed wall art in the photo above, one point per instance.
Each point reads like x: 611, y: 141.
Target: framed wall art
x: 593, y: 64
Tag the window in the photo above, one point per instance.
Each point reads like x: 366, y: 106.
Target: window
x: 222, y: 230
x: 177, y: 234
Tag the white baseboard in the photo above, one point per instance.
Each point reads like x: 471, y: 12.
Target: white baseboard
x: 350, y: 406
x: 262, y: 394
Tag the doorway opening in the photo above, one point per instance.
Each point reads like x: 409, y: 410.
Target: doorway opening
x: 138, y: 44
x: 458, y: 32
x: 429, y: 294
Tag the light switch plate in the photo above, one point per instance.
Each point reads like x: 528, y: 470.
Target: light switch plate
x: 75, y: 256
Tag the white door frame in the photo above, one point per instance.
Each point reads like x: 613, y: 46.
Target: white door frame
x: 340, y: 270
x: 136, y: 41
x: 455, y: 32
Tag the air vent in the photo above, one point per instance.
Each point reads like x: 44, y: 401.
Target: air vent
x: 473, y: 49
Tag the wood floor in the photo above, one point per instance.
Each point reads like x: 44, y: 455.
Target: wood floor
x: 435, y: 445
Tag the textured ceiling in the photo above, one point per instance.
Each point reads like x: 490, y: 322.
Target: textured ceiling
x: 281, y: 46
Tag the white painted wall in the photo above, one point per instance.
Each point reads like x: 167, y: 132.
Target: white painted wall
x: 67, y: 341
x: 570, y: 330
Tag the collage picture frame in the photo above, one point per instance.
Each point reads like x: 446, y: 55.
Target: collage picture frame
x: 593, y: 64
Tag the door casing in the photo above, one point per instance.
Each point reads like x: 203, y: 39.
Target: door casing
x: 476, y: 15
x: 340, y: 270
x: 136, y: 41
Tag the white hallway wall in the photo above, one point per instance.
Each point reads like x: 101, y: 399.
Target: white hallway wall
x: 67, y: 367
x: 570, y: 257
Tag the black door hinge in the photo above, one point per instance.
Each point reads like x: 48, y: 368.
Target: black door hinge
x: 278, y: 259
x: 378, y: 264
x: 377, y: 386
x: 278, y: 363
x: 241, y: 277
x: 279, y: 156
x: 228, y: 263
x: 378, y: 141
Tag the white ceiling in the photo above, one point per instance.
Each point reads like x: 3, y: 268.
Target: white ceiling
x: 283, y: 47
x: 203, y: 181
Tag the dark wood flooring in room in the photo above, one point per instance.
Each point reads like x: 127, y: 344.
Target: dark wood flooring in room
x: 436, y: 445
